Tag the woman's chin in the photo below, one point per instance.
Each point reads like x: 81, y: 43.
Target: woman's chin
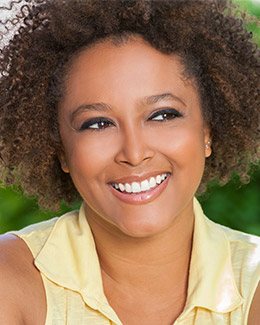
x: 142, y: 227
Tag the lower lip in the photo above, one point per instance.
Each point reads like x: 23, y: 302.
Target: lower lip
x: 142, y: 197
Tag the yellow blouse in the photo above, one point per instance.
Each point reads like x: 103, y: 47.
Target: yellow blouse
x: 224, y: 272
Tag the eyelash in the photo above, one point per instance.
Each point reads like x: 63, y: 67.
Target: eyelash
x: 167, y: 115
x: 103, y: 123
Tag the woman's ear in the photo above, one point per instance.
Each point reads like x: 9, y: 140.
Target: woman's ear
x: 207, y: 141
x: 63, y: 162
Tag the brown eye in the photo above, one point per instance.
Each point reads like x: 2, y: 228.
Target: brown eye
x: 96, y: 124
x: 165, y: 115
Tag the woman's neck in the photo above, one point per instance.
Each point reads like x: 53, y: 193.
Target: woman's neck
x: 145, y: 280
x: 158, y: 263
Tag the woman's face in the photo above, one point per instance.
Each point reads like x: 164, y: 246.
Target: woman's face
x: 133, y: 137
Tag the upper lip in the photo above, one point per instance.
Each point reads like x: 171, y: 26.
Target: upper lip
x: 137, y: 178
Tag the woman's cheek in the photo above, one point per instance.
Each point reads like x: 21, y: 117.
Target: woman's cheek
x: 90, y: 154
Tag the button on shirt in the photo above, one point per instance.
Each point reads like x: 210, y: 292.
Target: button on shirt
x: 224, y: 272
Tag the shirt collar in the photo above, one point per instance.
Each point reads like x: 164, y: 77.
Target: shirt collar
x: 76, y: 267
x: 211, y: 281
x: 72, y: 247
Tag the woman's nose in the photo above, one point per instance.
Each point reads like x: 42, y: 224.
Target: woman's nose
x: 134, y: 147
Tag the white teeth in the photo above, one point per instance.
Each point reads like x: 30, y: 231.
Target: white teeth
x: 128, y: 188
x: 152, y: 182
x: 136, y: 187
x: 144, y: 186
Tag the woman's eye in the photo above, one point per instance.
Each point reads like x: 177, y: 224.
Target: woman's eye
x: 96, y: 124
x: 165, y: 115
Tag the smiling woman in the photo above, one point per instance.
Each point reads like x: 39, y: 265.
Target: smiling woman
x: 133, y: 106
x: 121, y: 138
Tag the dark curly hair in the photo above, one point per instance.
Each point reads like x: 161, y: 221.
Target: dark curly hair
x: 215, y: 49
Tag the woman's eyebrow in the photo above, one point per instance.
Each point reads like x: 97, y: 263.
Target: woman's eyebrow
x: 149, y: 100
x: 100, y: 107
x: 156, y: 98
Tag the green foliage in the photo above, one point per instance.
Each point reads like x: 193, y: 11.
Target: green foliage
x: 235, y: 207
x: 18, y: 211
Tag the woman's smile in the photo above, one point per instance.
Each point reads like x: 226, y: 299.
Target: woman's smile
x: 133, y: 136
x: 140, y: 190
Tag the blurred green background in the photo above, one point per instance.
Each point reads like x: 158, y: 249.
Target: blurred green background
x: 231, y: 205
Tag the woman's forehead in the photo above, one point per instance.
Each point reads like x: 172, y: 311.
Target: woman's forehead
x: 132, y: 73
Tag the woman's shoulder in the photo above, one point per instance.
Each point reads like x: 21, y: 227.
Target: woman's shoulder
x: 36, y: 235
x: 245, y: 260
x: 22, y: 293
x: 240, y: 243
x: 22, y: 297
x: 254, y: 313
x: 244, y: 249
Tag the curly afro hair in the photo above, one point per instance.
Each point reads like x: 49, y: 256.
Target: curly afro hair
x: 216, y: 51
